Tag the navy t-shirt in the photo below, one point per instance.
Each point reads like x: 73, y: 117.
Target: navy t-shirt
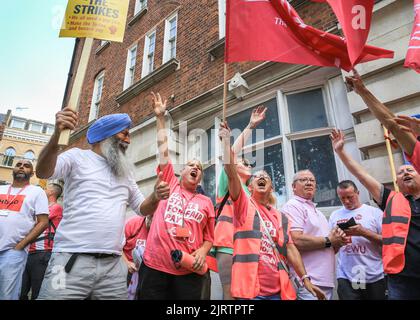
x: 412, y: 249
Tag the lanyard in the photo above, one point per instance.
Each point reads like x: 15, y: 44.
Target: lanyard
x: 270, y: 239
x: 9, y: 202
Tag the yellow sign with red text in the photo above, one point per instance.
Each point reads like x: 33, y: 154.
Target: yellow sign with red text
x: 100, y: 19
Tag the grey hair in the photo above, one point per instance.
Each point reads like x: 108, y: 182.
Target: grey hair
x: 297, y: 174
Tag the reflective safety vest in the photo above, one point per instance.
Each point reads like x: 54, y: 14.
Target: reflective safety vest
x: 223, y: 232
x: 395, y: 225
x: 246, y: 254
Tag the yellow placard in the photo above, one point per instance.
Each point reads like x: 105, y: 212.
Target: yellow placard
x: 100, y: 19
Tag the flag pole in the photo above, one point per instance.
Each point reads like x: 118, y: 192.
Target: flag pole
x: 77, y: 87
x: 391, y: 159
x: 224, y: 91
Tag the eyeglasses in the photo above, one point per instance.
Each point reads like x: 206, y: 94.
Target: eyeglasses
x: 306, y: 180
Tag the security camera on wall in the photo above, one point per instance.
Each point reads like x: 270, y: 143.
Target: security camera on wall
x: 238, y: 86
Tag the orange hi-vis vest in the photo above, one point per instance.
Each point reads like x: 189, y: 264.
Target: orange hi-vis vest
x: 223, y: 232
x: 395, y: 225
x: 246, y: 253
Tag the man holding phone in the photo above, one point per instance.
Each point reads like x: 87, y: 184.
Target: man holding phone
x: 360, y: 273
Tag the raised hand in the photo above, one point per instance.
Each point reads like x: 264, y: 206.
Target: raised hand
x: 409, y: 124
x: 159, y: 106
x: 337, y: 140
x: 355, y: 82
x: 65, y: 119
x: 224, y: 131
x: 257, y: 116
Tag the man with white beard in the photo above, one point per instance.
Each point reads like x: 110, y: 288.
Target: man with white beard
x: 98, y: 185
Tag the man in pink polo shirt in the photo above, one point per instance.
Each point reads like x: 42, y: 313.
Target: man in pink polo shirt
x: 312, y: 236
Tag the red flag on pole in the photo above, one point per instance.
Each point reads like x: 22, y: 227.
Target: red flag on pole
x: 412, y: 59
x: 271, y: 30
x: 355, y: 17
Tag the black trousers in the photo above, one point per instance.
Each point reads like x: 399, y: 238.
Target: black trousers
x: 34, y: 273
x: 372, y: 291
x: 158, y: 285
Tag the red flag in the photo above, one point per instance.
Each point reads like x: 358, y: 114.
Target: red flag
x: 355, y: 17
x: 412, y: 60
x: 264, y: 30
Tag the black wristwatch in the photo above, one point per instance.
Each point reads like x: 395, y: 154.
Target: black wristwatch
x: 327, y: 242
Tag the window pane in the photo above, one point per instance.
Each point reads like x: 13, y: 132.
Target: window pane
x: 307, y: 110
x: 271, y: 124
x: 29, y: 155
x: 9, y: 156
x: 316, y: 154
x: 36, y: 127
x: 209, y: 182
x: 18, y: 124
x: 273, y: 164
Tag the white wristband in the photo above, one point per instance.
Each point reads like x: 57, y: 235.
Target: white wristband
x: 305, y: 277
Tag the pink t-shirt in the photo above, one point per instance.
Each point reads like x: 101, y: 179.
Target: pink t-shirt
x: 135, y: 234
x: 320, y: 263
x: 198, y: 214
x: 415, y: 157
x: 267, y: 265
x: 55, y: 216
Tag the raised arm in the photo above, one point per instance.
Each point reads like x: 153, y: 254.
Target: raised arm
x: 228, y: 158
x: 370, y: 183
x: 159, y: 107
x: 382, y: 113
x: 64, y: 119
x: 257, y: 116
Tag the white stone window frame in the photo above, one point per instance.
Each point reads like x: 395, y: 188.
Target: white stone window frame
x: 222, y: 18
x: 170, y: 43
x: 286, y: 137
x: 148, y: 55
x: 139, y: 6
x: 96, y: 96
x: 130, y: 67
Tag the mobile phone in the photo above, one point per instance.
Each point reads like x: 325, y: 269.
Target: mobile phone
x: 345, y: 225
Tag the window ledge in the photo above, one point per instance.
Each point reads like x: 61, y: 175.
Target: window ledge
x: 137, y: 16
x: 102, y: 47
x: 217, y: 49
x: 143, y: 84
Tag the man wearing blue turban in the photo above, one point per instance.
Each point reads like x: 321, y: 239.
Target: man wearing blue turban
x: 98, y: 185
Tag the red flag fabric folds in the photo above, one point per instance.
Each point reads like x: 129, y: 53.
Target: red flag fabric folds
x: 355, y: 17
x: 271, y: 30
x: 412, y: 59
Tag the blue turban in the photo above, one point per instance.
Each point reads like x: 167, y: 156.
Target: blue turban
x: 107, y: 126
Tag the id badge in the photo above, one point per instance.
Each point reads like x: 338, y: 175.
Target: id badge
x: 4, y: 213
x: 182, y: 232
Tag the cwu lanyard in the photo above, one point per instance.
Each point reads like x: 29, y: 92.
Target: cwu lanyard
x: 9, y: 202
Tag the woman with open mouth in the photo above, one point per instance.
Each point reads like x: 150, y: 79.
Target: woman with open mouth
x: 262, y: 247
x: 183, y: 222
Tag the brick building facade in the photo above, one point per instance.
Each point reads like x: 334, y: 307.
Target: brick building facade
x: 304, y: 102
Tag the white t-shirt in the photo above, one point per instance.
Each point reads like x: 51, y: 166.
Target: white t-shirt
x: 360, y: 260
x: 95, y: 203
x: 18, y: 218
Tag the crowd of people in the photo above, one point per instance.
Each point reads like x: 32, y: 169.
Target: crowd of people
x: 87, y: 250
